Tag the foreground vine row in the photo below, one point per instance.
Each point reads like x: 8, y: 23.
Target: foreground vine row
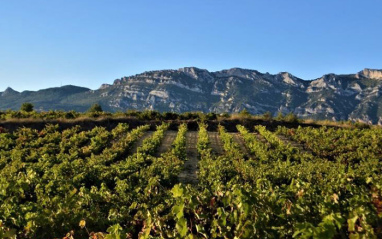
x: 89, y: 184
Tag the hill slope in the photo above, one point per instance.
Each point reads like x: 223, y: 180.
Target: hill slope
x: 338, y: 97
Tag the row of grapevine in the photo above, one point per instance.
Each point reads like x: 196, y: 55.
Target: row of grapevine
x: 278, y: 192
x: 341, y: 144
x: 284, y: 151
x: 38, y: 186
x: 279, y: 198
x: 258, y: 149
x: 179, y: 144
x: 147, y: 183
x: 203, y: 139
x: 231, y: 148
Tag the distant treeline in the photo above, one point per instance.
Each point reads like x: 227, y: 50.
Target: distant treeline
x: 95, y: 111
x: 27, y: 112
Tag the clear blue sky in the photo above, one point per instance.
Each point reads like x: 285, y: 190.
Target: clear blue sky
x: 45, y: 43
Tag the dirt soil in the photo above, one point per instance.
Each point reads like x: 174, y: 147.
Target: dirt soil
x: 295, y: 144
x: 168, y: 139
x: 139, y: 142
x: 216, y: 143
x: 240, y: 141
x: 189, y: 174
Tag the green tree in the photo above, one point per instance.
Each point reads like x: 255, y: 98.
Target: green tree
x: 291, y: 118
x: 95, y: 108
x: 267, y: 116
x: 280, y: 116
x: 244, y: 113
x: 27, y: 107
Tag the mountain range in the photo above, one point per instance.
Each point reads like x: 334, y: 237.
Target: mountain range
x: 336, y: 97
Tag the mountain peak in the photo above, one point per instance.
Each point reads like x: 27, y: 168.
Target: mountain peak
x: 192, y: 71
x: 229, y: 90
x: 191, y: 68
x: 288, y: 78
x: 197, y: 73
x: 104, y: 86
x: 9, y: 91
x: 370, y: 73
x: 238, y: 72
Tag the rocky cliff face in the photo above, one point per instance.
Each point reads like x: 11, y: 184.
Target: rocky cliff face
x: 337, y: 97
x: 371, y: 74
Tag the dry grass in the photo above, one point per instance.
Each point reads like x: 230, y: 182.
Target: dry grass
x: 242, y: 117
x: 340, y: 124
x: 64, y: 120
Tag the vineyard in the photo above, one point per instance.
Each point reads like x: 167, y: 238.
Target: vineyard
x: 302, y: 182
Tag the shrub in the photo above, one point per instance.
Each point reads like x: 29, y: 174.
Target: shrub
x: 95, y: 108
x: 189, y: 116
x: 70, y: 115
x: 170, y: 116
x: 149, y: 115
x: 280, y: 116
x: 291, y: 118
x: 244, y: 113
x: 225, y: 115
x: 267, y: 116
x: 211, y: 116
x: 361, y: 125
x: 132, y: 113
x: 27, y: 107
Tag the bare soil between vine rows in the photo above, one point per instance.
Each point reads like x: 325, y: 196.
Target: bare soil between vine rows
x: 189, y: 175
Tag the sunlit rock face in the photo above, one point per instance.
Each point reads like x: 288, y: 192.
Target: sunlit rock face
x: 332, y: 96
x: 371, y: 74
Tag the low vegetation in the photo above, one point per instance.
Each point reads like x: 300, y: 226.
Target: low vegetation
x: 96, y: 113
x: 77, y: 183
